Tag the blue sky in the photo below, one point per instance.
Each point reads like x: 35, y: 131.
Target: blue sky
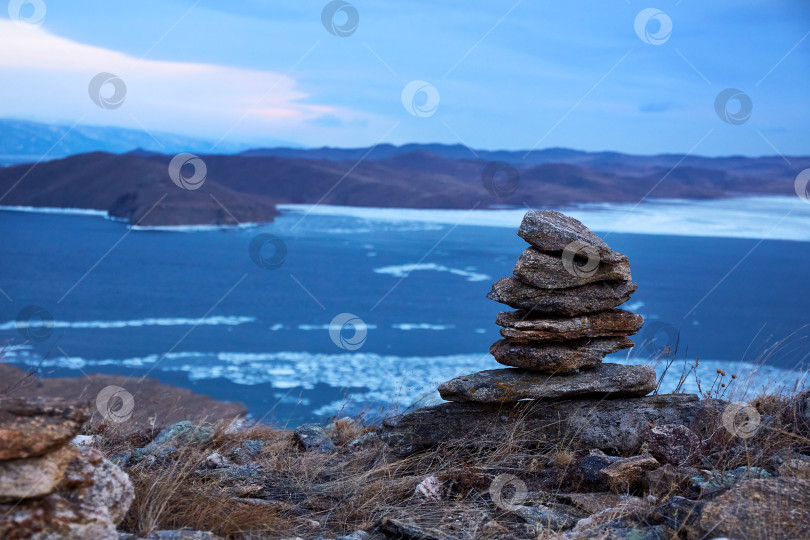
x: 507, y: 75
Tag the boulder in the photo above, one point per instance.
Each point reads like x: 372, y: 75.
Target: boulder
x: 671, y: 443
x: 524, y: 326
x: 626, y: 474
x: 548, y: 230
x: 93, y: 498
x: 33, y: 477
x: 760, y: 509
x: 511, y: 385
x: 32, y: 426
x: 180, y: 434
x: 547, y: 271
x: 313, y: 438
x: 568, y: 357
x: 568, y: 302
x: 613, y: 425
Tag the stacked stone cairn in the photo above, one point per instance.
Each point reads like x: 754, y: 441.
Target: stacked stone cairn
x: 565, y: 287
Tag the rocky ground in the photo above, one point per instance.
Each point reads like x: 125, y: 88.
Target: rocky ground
x: 668, y: 466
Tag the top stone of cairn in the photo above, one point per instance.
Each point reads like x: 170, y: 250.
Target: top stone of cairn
x: 549, y: 230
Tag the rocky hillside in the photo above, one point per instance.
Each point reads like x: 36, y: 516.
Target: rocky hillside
x: 244, y: 188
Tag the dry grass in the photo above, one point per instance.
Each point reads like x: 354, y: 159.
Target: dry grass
x: 282, y: 491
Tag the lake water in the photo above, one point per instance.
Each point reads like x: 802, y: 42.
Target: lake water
x: 192, y: 308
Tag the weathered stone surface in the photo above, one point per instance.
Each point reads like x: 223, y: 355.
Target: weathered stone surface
x: 681, y: 514
x: 666, y: 480
x: 32, y: 426
x: 711, y: 482
x: 593, y: 503
x: 552, y: 516
x: 760, y: 509
x: 88, y: 505
x: 588, y: 298
x: 313, y: 438
x: 548, y: 230
x: 568, y: 357
x: 33, y: 477
x: 671, y: 443
x: 511, y: 385
x: 626, y: 474
x: 524, y: 326
x: 548, y: 271
x: 180, y: 434
x: 593, y: 463
x: 612, y: 425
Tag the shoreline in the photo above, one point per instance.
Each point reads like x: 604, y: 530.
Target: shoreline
x: 767, y: 217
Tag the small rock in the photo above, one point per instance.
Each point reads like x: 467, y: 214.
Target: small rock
x: 552, y: 516
x: 86, y: 441
x: 314, y: 439
x: 249, y: 490
x: 627, y: 474
x: 364, y: 439
x: 356, y: 535
x: 671, y: 443
x: 713, y: 482
x: 216, y: 461
x: 511, y: 385
x: 593, y: 463
x: 430, y: 488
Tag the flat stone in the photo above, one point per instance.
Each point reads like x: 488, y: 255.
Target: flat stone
x: 595, y: 461
x: 561, y: 358
x: 627, y: 474
x: 30, y: 427
x: 588, y: 298
x: 593, y: 503
x: 760, y: 509
x: 511, y: 385
x: 33, y: 477
x: 547, y: 271
x: 548, y: 230
x: 614, y: 425
x: 524, y: 326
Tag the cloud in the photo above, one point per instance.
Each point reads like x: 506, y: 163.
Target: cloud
x: 46, y: 77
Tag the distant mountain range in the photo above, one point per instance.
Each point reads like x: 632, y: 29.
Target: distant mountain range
x: 245, y: 187
x: 22, y: 141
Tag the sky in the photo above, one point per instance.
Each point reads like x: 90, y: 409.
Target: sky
x: 594, y: 75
